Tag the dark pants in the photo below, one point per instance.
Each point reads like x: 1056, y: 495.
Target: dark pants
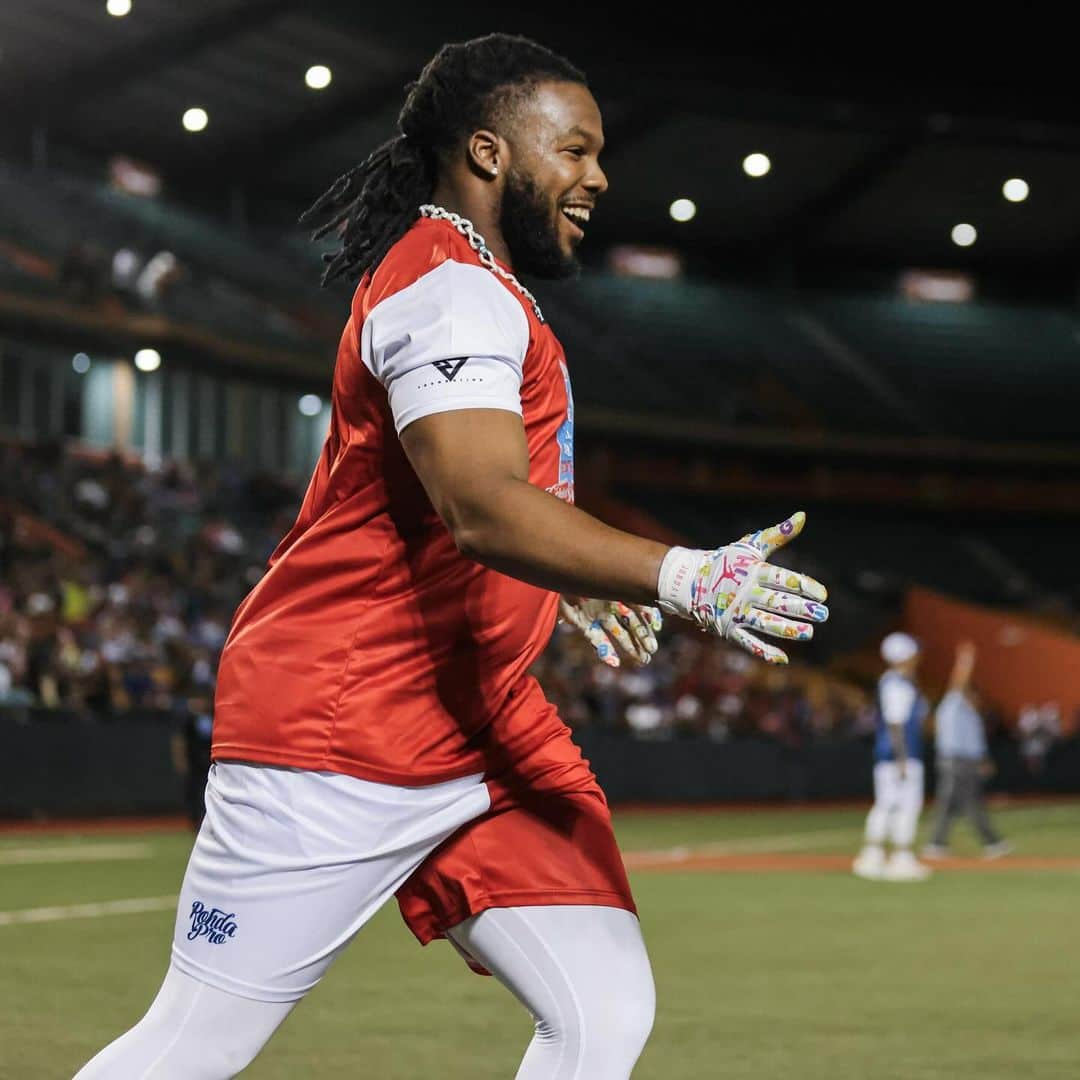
x: 960, y: 791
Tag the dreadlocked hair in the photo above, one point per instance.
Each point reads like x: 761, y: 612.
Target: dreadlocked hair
x: 464, y: 87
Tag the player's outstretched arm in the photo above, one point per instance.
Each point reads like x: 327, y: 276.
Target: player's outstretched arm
x: 474, y: 465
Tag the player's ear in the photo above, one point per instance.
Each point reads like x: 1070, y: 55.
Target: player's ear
x: 487, y: 152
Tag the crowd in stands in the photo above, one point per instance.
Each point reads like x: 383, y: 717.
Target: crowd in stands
x: 118, y: 582
x: 698, y: 685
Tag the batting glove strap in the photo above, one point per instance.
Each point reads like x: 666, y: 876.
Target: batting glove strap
x: 675, y: 585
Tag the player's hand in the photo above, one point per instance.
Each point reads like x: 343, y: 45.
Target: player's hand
x: 901, y: 771
x: 610, y: 626
x: 733, y: 590
x: 987, y: 768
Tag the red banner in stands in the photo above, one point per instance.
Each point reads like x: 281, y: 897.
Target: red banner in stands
x: 1021, y: 662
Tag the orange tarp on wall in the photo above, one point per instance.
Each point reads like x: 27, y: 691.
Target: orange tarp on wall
x: 1020, y: 661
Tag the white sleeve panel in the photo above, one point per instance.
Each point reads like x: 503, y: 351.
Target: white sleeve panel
x: 453, y: 339
x: 897, y: 700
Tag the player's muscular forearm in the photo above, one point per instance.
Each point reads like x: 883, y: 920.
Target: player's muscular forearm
x: 529, y: 534
x: 474, y: 465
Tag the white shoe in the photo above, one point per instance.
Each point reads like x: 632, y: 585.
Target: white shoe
x: 869, y: 864
x: 903, y: 866
x: 997, y: 850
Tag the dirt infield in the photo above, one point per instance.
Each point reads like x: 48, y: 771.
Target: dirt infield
x: 751, y: 863
x: 94, y: 826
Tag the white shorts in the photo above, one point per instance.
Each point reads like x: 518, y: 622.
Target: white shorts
x: 893, y: 794
x: 289, y: 864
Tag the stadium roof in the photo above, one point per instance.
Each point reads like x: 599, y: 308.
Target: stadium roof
x: 877, y: 148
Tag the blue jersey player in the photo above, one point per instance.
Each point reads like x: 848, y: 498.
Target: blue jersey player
x: 898, y: 768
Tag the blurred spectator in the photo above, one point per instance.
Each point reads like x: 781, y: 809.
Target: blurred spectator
x: 159, y: 273
x: 145, y: 281
x: 1038, y: 727
x: 191, y: 747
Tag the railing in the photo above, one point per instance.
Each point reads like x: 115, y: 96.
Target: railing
x: 56, y: 763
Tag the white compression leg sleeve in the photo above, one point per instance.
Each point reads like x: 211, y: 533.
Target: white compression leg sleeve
x: 582, y: 972
x: 191, y: 1032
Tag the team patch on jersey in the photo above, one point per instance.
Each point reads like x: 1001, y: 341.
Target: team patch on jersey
x: 564, y: 489
x: 216, y: 925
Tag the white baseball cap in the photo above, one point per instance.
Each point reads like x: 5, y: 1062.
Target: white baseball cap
x: 898, y: 648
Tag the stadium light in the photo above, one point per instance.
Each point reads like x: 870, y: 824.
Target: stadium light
x: 964, y: 235
x: 756, y: 164
x: 310, y: 405
x: 118, y: 8
x: 148, y: 359
x: 318, y: 77
x: 195, y: 119
x: 1015, y: 190
x: 80, y: 362
x: 682, y: 209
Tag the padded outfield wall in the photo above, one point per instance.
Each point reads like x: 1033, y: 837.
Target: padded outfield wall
x: 58, y: 764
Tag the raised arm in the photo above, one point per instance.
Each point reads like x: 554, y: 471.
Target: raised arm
x: 963, y: 666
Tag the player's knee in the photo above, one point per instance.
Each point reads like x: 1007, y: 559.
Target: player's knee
x: 634, y: 1022
x: 620, y: 1017
x: 610, y: 1024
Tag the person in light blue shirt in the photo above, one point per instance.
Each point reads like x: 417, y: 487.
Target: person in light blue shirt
x: 963, y: 763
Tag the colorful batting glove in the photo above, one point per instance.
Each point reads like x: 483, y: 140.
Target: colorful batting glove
x: 608, y: 623
x: 733, y: 590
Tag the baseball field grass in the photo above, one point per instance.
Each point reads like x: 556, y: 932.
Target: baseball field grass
x: 771, y: 959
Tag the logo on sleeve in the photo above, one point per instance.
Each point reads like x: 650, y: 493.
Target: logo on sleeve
x: 215, y: 925
x: 449, y: 368
x: 564, y: 489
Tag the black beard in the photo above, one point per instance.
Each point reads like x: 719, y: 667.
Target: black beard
x: 530, y: 232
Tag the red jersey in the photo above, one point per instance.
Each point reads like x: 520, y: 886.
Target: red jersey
x: 371, y: 646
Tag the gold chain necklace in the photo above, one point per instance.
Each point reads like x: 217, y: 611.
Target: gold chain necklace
x: 479, y: 245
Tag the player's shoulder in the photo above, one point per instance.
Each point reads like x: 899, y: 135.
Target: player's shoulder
x: 431, y: 284
x: 433, y: 263
x: 426, y: 247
